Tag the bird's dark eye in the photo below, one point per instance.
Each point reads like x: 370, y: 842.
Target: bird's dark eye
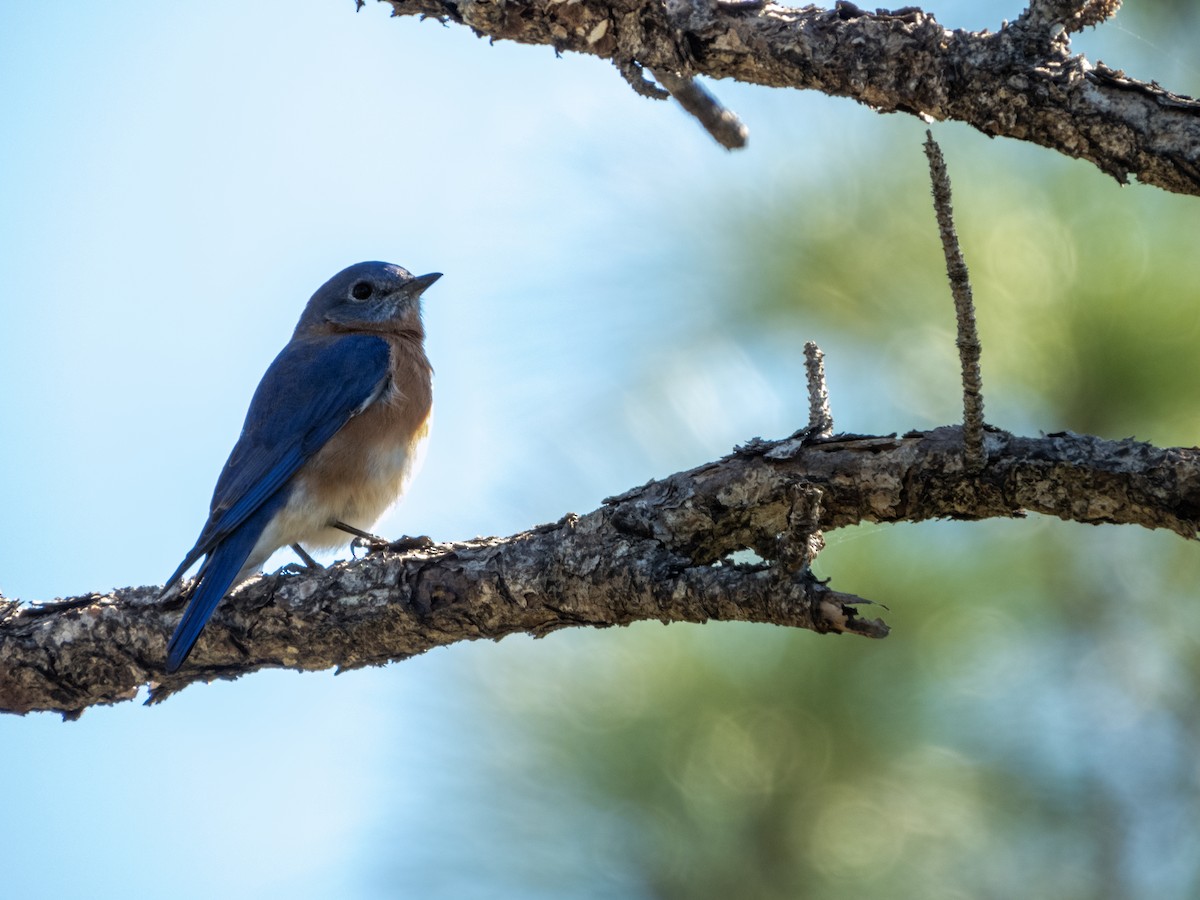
x: 362, y: 290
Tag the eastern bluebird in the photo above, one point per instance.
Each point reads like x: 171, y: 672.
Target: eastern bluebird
x: 334, y: 433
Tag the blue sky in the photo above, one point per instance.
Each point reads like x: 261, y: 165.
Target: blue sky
x: 175, y: 180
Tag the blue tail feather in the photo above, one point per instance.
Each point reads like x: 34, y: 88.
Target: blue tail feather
x: 215, y: 578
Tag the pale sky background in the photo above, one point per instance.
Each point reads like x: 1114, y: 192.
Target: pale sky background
x: 175, y: 181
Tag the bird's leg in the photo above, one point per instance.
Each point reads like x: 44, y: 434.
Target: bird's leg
x: 375, y: 544
x: 309, y: 565
x: 358, y: 532
x: 305, y: 558
x: 372, y: 541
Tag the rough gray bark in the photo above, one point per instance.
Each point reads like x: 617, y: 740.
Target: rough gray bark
x: 658, y: 552
x: 1020, y: 81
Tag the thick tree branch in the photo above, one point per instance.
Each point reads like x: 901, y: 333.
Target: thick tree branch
x: 1020, y: 82
x: 658, y: 552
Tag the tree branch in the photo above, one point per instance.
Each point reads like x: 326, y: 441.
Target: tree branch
x: 658, y: 552
x: 1020, y: 82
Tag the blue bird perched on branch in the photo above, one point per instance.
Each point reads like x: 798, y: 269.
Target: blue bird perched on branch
x: 333, y: 435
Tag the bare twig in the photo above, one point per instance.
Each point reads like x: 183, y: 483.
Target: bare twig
x: 723, y: 124
x: 635, y: 75
x: 820, y: 417
x: 967, y: 341
x: 1072, y: 15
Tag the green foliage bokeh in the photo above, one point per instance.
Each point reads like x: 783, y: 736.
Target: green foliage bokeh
x: 1030, y: 726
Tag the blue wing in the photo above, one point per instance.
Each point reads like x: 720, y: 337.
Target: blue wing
x: 309, y: 392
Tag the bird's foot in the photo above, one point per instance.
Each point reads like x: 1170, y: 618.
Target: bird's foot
x: 306, y: 566
x: 373, y: 543
x: 367, y: 546
x: 401, y: 545
x: 363, y: 540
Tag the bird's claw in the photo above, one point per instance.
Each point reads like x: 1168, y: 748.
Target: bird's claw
x: 368, y: 545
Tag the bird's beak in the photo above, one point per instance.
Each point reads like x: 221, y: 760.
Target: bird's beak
x: 421, y: 283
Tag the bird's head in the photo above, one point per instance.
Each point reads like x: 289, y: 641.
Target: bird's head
x: 368, y: 296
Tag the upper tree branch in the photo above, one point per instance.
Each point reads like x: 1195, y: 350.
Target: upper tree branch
x: 655, y: 552
x: 1020, y: 82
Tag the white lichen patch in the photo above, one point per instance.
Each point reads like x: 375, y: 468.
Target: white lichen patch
x: 598, y: 32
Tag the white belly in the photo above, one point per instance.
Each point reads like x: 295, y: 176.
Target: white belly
x: 378, y: 479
